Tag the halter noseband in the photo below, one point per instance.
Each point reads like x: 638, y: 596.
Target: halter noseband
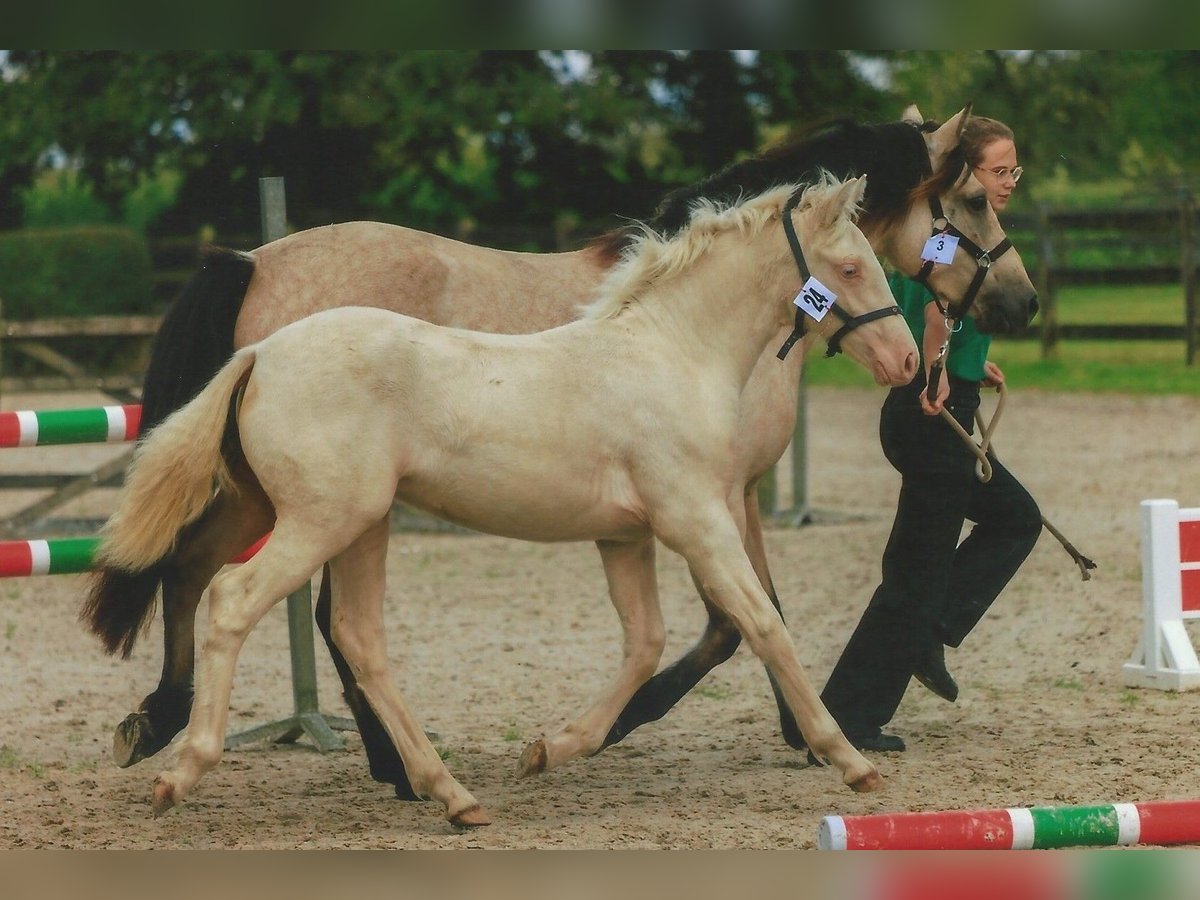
x: 849, y: 323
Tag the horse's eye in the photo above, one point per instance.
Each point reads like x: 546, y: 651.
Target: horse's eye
x: 849, y: 270
x: 977, y: 204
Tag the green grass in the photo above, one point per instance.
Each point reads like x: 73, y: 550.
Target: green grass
x: 1136, y: 367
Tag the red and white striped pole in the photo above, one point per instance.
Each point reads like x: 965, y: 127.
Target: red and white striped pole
x: 1118, y: 824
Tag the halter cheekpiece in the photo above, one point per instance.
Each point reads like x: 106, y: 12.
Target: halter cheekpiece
x: 849, y: 323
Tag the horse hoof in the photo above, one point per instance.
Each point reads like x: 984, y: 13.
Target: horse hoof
x: 533, y: 759
x: 164, y: 796
x: 864, y: 784
x: 127, y: 740
x: 471, y: 817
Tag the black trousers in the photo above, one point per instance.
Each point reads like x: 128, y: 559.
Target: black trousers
x: 934, y: 588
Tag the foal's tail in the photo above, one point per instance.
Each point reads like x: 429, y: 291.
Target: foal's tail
x: 169, y: 484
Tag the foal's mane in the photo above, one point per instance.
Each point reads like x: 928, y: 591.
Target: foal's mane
x: 892, y: 155
x: 650, y: 256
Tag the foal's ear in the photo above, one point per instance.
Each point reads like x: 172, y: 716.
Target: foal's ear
x: 855, y: 190
x: 947, y: 137
x: 843, y: 202
x: 912, y: 115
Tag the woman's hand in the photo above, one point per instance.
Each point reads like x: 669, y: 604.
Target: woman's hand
x: 992, y: 376
x: 943, y: 391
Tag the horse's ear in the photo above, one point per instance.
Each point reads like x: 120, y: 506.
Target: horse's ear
x: 856, y: 190
x: 842, y: 202
x: 912, y: 115
x: 947, y: 137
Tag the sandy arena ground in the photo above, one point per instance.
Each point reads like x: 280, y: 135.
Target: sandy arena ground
x: 496, y: 642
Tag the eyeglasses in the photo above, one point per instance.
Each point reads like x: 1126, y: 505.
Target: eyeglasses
x: 1004, y: 173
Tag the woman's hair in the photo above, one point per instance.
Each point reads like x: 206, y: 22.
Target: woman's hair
x: 978, y: 132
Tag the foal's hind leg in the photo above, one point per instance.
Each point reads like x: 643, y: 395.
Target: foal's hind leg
x: 230, y: 525
x: 633, y: 588
x: 237, y: 601
x: 385, y: 763
x: 357, y: 582
x: 718, y: 642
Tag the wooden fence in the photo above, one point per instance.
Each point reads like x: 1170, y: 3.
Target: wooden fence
x: 1128, y: 246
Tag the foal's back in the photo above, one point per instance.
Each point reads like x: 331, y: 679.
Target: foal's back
x: 528, y: 436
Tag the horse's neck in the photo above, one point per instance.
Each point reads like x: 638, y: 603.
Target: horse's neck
x: 726, y: 306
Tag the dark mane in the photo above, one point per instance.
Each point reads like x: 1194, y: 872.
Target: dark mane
x: 892, y: 155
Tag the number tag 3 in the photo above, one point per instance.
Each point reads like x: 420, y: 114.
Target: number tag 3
x: 815, y: 299
x: 940, y: 248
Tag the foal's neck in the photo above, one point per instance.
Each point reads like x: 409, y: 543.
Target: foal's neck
x: 729, y: 303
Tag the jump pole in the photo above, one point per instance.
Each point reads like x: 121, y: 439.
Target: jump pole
x: 1020, y: 828
x: 96, y: 425
x: 306, y: 714
x: 67, y: 556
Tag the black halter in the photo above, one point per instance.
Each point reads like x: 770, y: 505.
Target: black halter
x: 849, y: 323
x: 983, y: 260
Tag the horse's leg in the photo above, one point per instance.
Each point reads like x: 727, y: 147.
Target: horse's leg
x: 237, y: 600
x: 756, y: 550
x: 718, y: 642
x: 357, y: 576
x: 710, y: 542
x: 384, y: 761
x: 230, y: 525
x: 633, y: 588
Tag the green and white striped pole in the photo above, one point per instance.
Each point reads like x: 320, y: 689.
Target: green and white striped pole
x: 95, y: 425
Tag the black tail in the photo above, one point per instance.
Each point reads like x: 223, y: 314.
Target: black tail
x: 194, y: 341
x: 119, y: 606
x: 196, y: 336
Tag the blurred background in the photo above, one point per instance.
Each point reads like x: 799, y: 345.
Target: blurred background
x: 116, y: 165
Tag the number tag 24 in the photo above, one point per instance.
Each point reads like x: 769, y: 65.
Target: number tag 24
x: 815, y: 299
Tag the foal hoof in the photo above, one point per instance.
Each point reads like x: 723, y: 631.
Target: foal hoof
x: 864, y: 784
x: 471, y: 817
x: 130, y: 740
x: 164, y: 796
x: 533, y: 759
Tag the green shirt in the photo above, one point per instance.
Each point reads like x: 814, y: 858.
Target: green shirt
x: 968, y: 348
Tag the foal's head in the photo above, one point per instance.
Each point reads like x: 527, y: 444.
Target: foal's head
x: 839, y: 256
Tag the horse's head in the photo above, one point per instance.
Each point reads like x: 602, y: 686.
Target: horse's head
x: 980, y: 273
x: 861, y: 319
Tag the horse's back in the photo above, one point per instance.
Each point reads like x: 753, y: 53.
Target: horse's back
x: 429, y: 277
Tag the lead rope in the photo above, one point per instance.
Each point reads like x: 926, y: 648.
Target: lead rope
x: 983, y: 471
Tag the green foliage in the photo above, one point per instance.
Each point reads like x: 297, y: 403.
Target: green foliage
x: 74, y: 272
x: 61, y: 198
x: 149, y: 199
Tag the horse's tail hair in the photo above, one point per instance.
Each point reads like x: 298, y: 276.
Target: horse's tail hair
x: 196, y: 335
x: 169, y: 484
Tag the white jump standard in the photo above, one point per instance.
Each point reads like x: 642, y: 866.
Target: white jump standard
x: 1165, y: 658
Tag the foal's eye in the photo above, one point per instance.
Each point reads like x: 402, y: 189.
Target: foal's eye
x: 977, y: 204
x: 849, y: 270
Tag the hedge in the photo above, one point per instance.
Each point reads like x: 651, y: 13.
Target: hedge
x: 46, y: 273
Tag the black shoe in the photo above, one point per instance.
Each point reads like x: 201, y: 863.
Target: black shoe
x: 879, y: 742
x: 931, y: 671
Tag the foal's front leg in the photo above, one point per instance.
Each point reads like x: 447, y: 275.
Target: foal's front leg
x: 710, y: 543
x: 633, y: 588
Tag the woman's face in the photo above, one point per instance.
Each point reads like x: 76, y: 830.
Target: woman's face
x: 995, y: 171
